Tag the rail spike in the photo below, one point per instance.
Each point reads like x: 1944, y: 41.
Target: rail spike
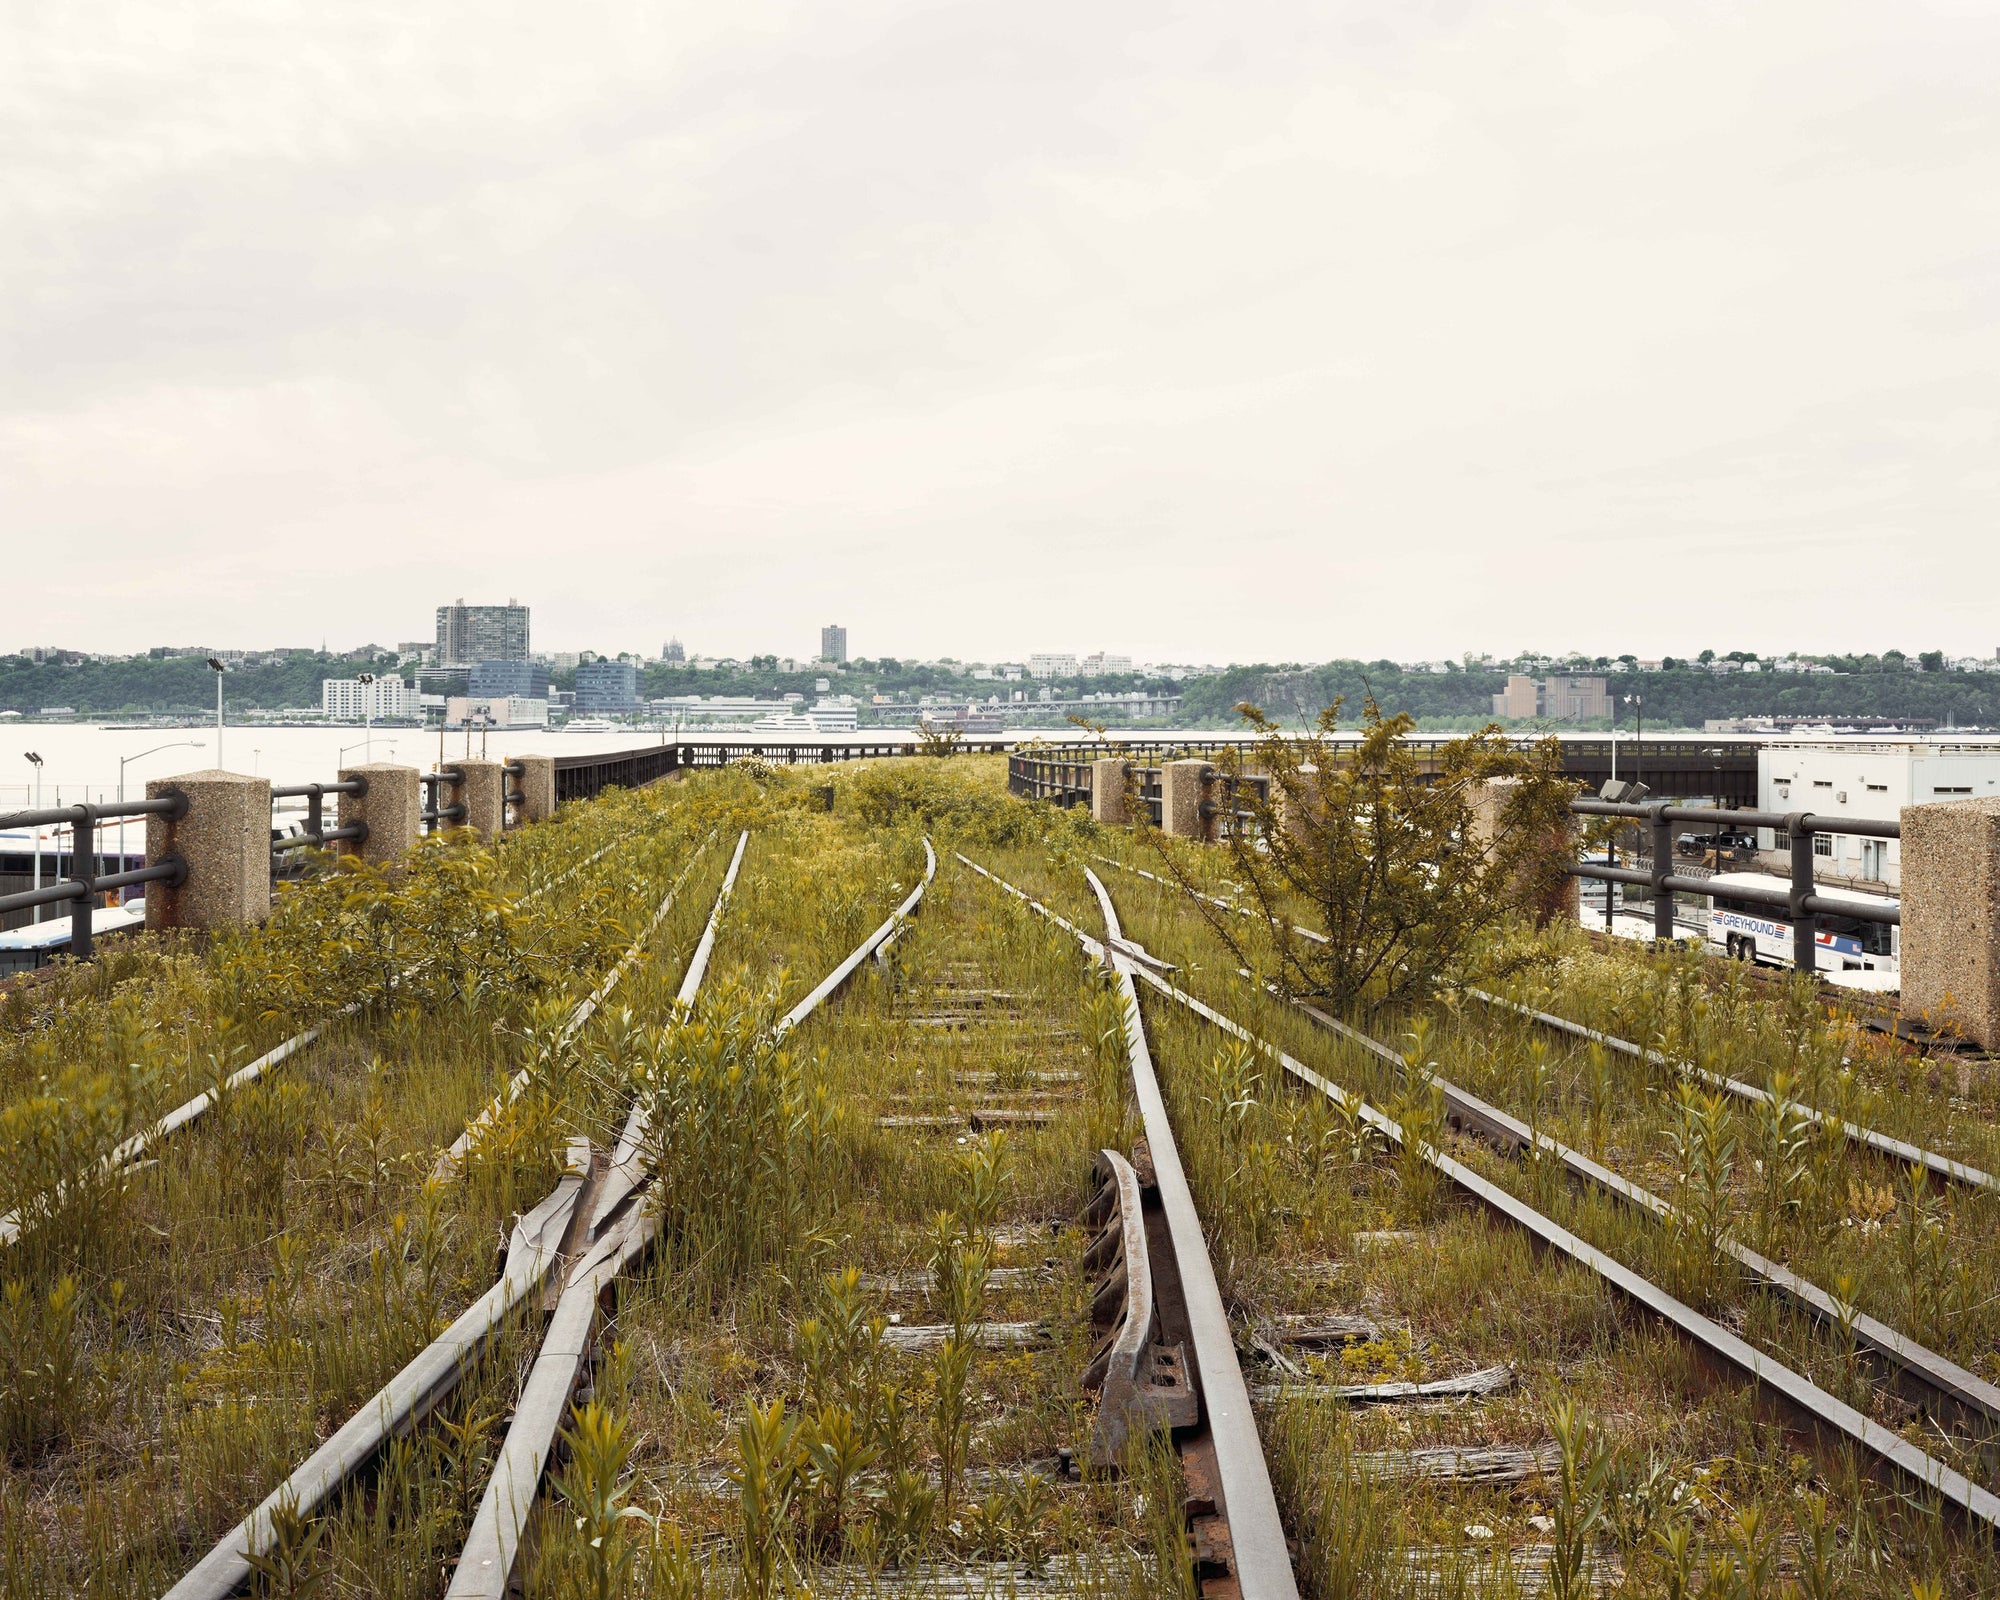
x: 1142, y: 1382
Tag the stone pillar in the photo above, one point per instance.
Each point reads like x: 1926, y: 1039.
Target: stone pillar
x: 1108, y: 776
x: 478, y: 786
x: 537, y: 786
x: 1547, y: 898
x: 391, y: 810
x: 1293, y: 807
x: 225, y: 839
x: 1951, y: 917
x: 1184, y: 785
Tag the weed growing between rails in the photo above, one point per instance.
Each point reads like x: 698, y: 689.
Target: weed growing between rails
x: 276, y: 1262
x: 1913, y: 1251
x: 1759, y: 1486
x: 858, y: 1357
x: 811, y: 890
x: 1697, y: 1008
x: 1759, y: 1175
x: 80, y: 1075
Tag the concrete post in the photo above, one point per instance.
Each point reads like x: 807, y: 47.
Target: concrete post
x: 1294, y: 808
x: 1489, y: 814
x: 1108, y: 776
x: 537, y: 786
x: 478, y: 786
x: 225, y: 839
x: 1951, y: 917
x: 391, y: 811
x: 1184, y: 785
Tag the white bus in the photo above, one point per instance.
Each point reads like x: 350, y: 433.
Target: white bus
x: 1747, y: 931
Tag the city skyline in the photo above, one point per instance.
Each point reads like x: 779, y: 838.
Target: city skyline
x: 1077, y: 661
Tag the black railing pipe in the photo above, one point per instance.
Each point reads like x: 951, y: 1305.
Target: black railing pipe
x: 1799, y: 901
x: 83, y: 884
x: 171, y: 806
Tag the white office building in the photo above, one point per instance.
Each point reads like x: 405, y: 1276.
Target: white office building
x: 351, y: 700
x: 1872, y: 779
x: 1044, y: 665
x: 496, y: 711
x: 722, y: 710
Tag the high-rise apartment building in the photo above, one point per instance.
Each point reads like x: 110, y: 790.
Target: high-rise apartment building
x: 1559, y: 697
x: 1567, y: 699
x: 522, y: 680
x: 468, y: 634
x: 351, y: 700
x: 1521, y: 698
x: 833, y: 643
x: 607, y: 688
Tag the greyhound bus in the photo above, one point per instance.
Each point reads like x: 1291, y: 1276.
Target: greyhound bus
x: 1746, y: 931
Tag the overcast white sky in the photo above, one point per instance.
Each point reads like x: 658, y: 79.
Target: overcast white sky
x: 1210, y: 331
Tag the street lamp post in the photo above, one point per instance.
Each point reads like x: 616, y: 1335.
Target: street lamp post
x: 36, y: 762
x: 1639, y: 750
x: 215, y: 666
x: 367, y: 682
x: 125, y: 761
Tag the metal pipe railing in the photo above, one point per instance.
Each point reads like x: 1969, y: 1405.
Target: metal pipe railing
x: 1802, y: 905
x: 84, y: 883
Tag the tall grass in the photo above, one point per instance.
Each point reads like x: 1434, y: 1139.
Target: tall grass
x: 182, y: 1337
x: 1697, y: 1487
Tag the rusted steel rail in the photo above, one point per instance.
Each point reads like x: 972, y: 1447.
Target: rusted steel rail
x: 536, y: 1250
x: 627, y: 1166
x: 401, y: 1403
x: 123, y: 1157
x: 1140, y: 1379
x: 485, y: 1568
x: 868, y: 946
x: 1233, y: 1510
x: 1883, y: 1144
x: 585, y: 1009
x: 1959, y: 1172
x: 1310, y: 934
x: 1913, y: 1463
x: 1931, y: 1379
x: 622, y: 1228
x: 130, y: 1152
x: 1965, y: 1397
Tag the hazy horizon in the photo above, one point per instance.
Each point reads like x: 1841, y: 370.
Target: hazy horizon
x: 1206, y: 335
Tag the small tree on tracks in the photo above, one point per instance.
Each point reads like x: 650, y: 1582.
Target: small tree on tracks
x: 1403, y: 856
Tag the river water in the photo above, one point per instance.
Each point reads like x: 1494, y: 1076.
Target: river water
x: 80, y: 759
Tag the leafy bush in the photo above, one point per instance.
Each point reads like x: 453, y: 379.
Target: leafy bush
x: 1405, y: 858
x: 954, y: 797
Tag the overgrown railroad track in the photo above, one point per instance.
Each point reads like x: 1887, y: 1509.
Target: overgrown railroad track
x: 177, y: 1327
x: 959, y: 1265
x: 1863, y: 1363
x: 903, y: 1229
